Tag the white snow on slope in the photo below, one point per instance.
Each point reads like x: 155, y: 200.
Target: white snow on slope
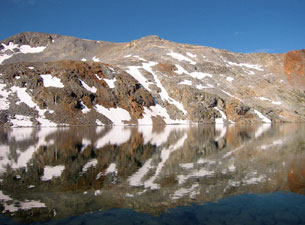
x: 22, y: 49
x: 111, y: 169
x: 23, y: 96
x: 269, y: 100
x: 136, y: 74
x: 158, y: 110
x: 180, y: 57
x: 163, y: 94
x: 230, y: 79
x: 4, y: 57
x: 196, y: 75
x: 28, y: 49
x: 50, y: 172
x: 27, y: 99
x: 191, y: 55
x: 95, y: 59
x: 200, y: 86
x: 4, y: 103
x: 227, y: 93
x: 21, y: 121
x: 91, y: 163
x: 180, y: 70
x: 223, y: 118
x: 50, y: 81
x: 249, y: 66
x: 186, y: 82
x: 11, y: 46
x: 110, y: 82
x: 116, y: 115
x: 88, y: 88
x: 85, y: 109
x: 264, y: 118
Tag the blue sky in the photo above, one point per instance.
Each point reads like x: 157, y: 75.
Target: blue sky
x: 236, y: 25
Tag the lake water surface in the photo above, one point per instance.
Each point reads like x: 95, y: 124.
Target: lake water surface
x: 236, y: 174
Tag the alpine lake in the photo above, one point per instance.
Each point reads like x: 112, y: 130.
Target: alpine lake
x: 199, y: 174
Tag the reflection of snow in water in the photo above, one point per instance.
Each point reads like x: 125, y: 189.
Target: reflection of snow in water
x: 192, y: 173
x: 117, y: 135
x: 11, y: 205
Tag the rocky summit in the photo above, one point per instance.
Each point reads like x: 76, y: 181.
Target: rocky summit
x: 54, y: 80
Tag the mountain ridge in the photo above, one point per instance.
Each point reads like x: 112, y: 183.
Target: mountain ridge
x: 148, y: 81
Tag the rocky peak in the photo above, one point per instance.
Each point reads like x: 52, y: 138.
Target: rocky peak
x: 33, y: 39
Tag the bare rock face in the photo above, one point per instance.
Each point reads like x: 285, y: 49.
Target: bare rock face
x: 51, y: 80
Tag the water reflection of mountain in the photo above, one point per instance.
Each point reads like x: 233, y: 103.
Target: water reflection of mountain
x: 69, y: 171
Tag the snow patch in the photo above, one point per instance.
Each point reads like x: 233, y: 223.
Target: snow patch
x: 163, y: 94
x: 116, y: 115
x: 88, y: 88
x: 110, y: 82
x: 95, y: 59
x: 249, y: 66
x: 197, y: 75
x: 91, y: 163
x: 28, y: 49
x: 230, y: 79
x: 187, y: 165
x: 223, y: 118
x: 269, y: 100
x: 50, y: 81
x: 21, y: 121
x: 84, y: 59
x: 85, y: 109
x: 180, y: 57
x: 186, y: 82
x: 264, y: 118
x: 136, y: 74
x: 51, y: 172
x: 191, y: 55
x: 158, y: 110
x: 200, y: 86
x: 111, y: 169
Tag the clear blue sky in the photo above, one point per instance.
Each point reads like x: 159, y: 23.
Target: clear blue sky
x: 236, y: 25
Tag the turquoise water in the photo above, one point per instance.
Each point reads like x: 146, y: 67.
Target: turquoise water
x: 146, y: 175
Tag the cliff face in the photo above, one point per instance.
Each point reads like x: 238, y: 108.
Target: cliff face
x: 50, y: 80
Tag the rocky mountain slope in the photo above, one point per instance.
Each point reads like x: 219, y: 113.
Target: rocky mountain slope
x: 51, y: 80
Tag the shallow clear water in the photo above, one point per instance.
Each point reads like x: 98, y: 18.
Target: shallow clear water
x: 237, y: 174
